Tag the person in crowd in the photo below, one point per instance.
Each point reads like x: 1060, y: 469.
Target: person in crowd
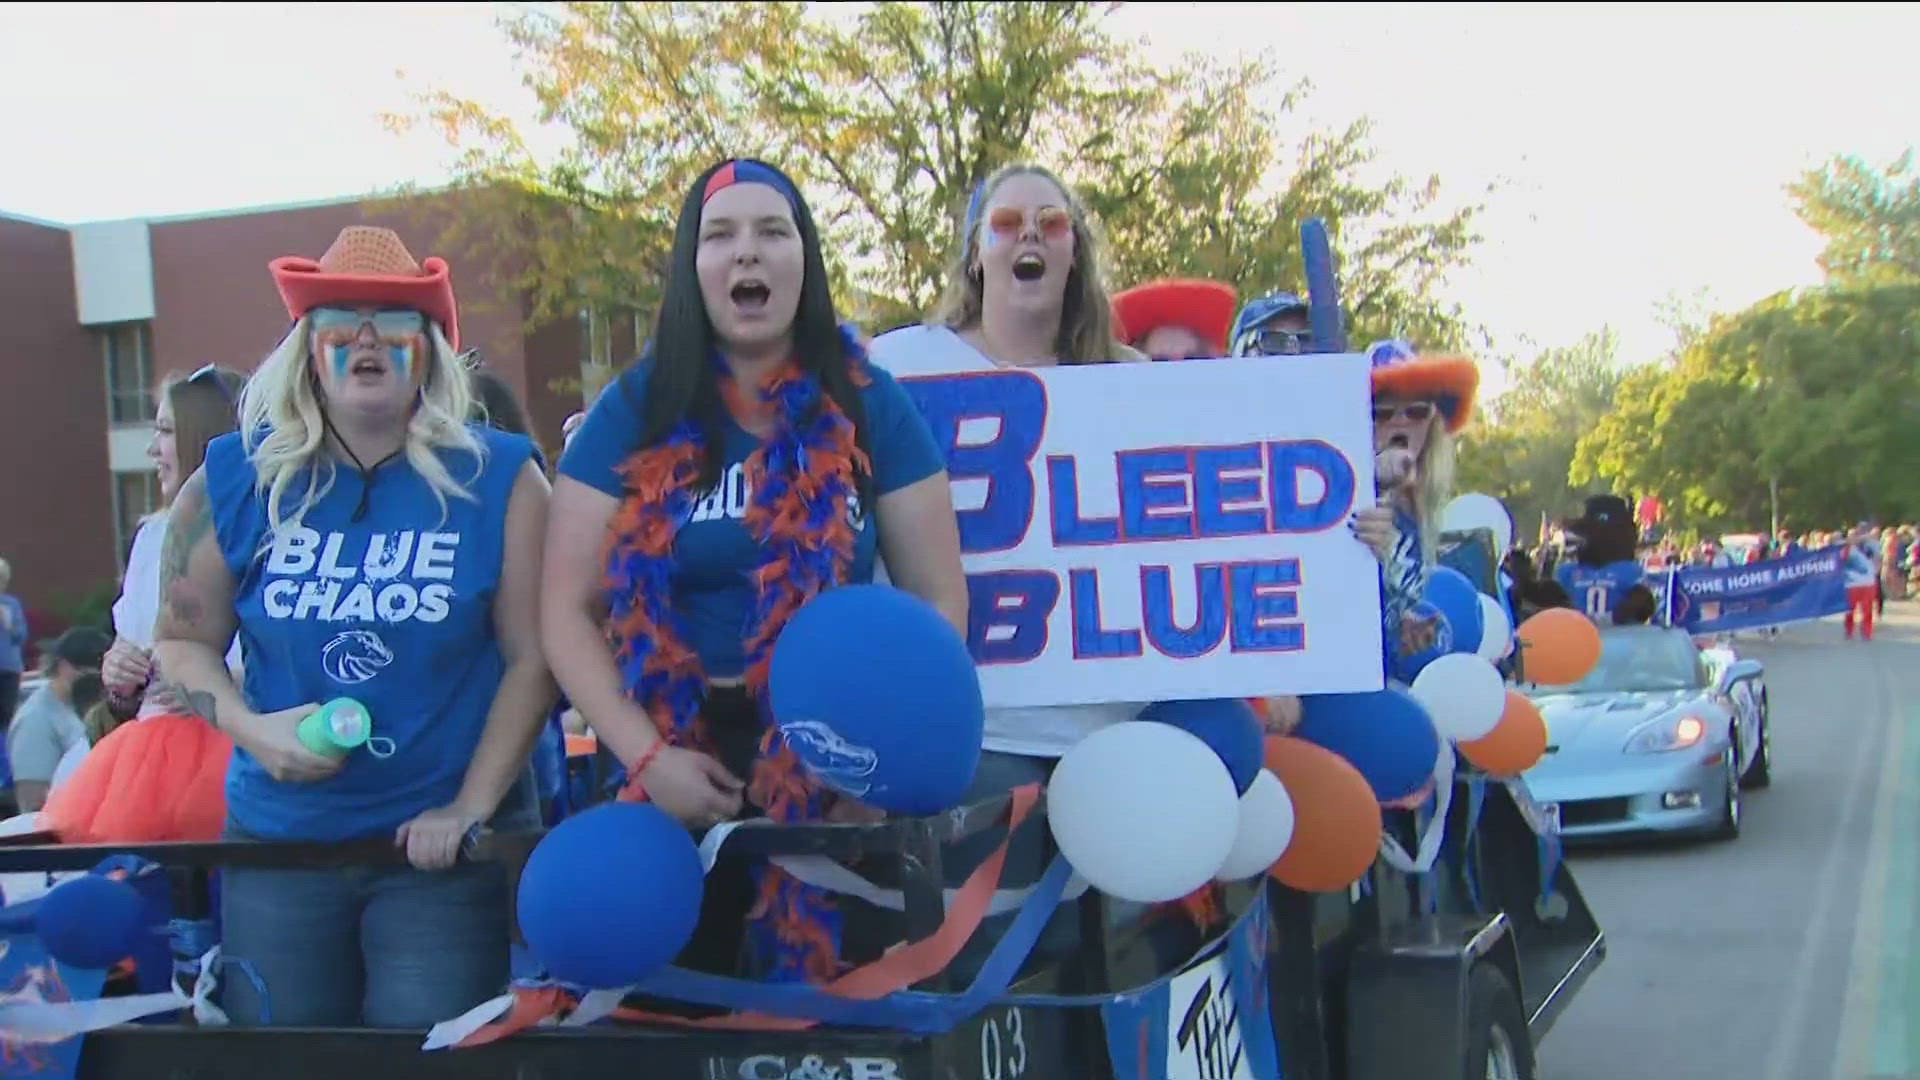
x: 1272, y: 325
x: 189, y: 413
x: 364, y: 540
x: 89, y: 702
x: 47, y: 725
x: 1637, y: 607
x: 753, y: 426
x: 163, y: 778
x: 1419, y: 404
x: 1175, y: 320
x: 1026, y: 289
x: 13, y: 642
x: 1860, y: 571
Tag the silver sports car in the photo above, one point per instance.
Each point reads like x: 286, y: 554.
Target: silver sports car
x: 1660, y: 737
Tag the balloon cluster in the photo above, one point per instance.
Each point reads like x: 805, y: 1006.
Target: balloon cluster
x: 1194, y: 791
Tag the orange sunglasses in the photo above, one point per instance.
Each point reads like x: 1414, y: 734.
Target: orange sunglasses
x: 1053, y: 222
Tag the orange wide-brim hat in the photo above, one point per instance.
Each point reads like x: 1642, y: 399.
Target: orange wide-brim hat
x: 1448, y: 381
x: 369, y: 266
x: 1204, y: 307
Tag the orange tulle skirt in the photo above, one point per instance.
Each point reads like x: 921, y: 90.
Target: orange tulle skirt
x: 152, y: 780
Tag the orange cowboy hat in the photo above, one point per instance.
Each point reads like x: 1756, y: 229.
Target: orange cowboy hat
x: 1447, y: 381
x: 369, y: 265
x: 1204, y: 307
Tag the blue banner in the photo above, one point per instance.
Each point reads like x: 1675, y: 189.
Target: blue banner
x: 1765, y: 593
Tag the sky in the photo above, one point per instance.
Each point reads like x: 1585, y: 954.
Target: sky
x: 1641, y: 149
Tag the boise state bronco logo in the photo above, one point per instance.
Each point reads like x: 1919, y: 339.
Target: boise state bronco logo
x: 355, y: 656
x: 841, y: 765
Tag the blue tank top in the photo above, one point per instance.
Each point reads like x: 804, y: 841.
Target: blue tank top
x: 394, y: 609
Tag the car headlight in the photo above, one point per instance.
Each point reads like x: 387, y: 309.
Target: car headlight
x: 1672, y: 733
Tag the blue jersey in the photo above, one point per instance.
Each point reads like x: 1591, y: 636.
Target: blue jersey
x: 1595, y: 590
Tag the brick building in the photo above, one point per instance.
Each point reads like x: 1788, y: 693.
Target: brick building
x: 92, y: 316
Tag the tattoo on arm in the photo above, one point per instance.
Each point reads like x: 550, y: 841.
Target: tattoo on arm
x: 190, y: 522
x: 175, y: 697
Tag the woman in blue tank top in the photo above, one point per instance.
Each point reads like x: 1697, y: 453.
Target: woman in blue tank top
x: 751, y: 459
x: 364, y: 540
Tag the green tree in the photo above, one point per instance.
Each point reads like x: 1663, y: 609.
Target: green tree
x: 1522, y: 449
x: 891, y: 114
x: 1818, y: 391
x: 1870, y: 217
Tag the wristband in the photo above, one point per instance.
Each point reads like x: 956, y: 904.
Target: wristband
x: 633, y: 790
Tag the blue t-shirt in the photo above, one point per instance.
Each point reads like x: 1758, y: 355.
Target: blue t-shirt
x: 713, y: 552
x: 394, y: 610
x: 1596, y: 589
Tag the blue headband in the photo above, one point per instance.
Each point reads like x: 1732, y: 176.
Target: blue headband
x: 745, y: 171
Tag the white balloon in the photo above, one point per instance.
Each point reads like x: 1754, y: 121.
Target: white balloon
x: 1266, y: 828
x: 1464, y: 695
x: 1497, y: 641
x: 1144, y: 811
x: 1476, y: 511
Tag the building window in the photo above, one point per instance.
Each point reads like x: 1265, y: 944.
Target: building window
x: 127, y: 350
x: 135, y: 495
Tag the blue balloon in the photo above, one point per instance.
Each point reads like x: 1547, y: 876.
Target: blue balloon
x: 91, y: 922
x: 1450, y: 591
x: 1228, y: 725
x: 611, y: 895
x: 877, y: 695
x: 1386, y: 735
x: 1436, y: 634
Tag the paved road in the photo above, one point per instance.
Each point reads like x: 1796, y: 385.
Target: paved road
x: 1782, y: 955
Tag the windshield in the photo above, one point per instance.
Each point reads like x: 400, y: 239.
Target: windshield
x: 1642, y: 658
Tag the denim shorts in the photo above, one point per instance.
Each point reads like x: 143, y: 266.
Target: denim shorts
x: 379, y: 947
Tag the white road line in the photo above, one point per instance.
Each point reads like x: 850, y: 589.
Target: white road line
x: 1783, y: 1055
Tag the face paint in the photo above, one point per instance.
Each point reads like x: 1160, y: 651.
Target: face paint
x: 337, y: 331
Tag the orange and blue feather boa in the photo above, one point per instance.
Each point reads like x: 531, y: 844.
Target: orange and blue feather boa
x: 802, y: 479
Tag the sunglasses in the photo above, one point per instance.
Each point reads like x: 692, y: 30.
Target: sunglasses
x: 1417, y: 411
x: 209, y: 375
x: 1052, y: 222
x: 342, y: 325
x: 1278, y: 342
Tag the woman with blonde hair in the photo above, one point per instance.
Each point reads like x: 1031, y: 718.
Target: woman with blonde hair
x: 1027, y: 289
x: 364, y: 541
x: 161, y: 779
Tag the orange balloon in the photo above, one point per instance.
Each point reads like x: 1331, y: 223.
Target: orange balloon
x: 1336, y: 818
x: 1559, y: 646
x: 1515, y: 744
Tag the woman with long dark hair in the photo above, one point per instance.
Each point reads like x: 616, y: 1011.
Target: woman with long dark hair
x: 749, y: 460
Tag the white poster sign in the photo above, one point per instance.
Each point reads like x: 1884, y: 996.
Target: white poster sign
x: 1145, y: 532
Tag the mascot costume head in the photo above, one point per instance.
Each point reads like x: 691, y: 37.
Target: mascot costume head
x: 1604, y: 533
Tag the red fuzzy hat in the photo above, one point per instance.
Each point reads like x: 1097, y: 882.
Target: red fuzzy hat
x: 1448, y: 381
x: 1204, y: 307
x: 369, y: 266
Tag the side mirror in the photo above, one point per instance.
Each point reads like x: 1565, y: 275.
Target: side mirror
x: 1740, y: 671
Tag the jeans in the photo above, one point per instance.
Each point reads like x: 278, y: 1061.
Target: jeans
x: 367, y: 946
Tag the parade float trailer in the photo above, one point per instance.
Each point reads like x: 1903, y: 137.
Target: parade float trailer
x: 1453, y: 964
